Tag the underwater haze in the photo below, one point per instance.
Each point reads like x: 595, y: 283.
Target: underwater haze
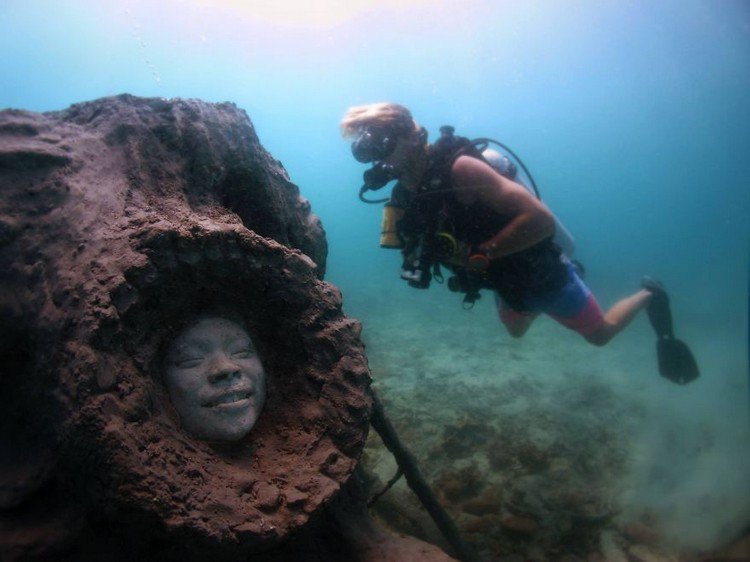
x: 634, y: 119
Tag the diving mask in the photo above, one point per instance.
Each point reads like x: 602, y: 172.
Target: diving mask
x: 373, y: 145
x: 377, y: 145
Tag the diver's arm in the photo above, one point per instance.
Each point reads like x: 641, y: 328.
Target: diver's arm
x: 532, y: 221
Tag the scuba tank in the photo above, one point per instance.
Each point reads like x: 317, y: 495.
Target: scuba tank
x: 505, y: 167
x: 389, y: 236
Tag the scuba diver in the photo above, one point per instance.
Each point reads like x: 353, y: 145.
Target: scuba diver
x: 450, y: 208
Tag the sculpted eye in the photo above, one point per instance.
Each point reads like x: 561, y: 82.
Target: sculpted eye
x: 188, y: 362
x: 243, y: 353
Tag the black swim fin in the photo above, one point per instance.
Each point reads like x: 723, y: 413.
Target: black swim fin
x: 676, y: 361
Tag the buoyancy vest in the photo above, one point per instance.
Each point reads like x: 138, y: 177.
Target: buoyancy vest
x: 534, y: 271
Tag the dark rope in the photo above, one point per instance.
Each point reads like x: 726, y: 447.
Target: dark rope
x: 408, y: 464
x: 391, y: 482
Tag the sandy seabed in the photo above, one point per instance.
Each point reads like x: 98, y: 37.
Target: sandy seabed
x: 547, y: 448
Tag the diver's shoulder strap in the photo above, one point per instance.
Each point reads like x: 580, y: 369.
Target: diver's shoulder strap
x: 441, y: 157
x: 445, y: 151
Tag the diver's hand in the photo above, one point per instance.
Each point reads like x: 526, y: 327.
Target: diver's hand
x: 477, y: 260
x: 487, y: 248
x: 469, y: 257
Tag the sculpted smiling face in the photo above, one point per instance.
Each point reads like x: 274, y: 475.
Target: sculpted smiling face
x: 215, y: 380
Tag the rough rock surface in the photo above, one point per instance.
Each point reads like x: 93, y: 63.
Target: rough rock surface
x: 120, y: 220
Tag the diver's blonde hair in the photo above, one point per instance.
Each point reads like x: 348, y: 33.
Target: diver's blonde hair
x: 386, y: 115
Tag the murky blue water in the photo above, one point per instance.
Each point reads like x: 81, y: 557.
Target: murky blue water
x: 633, y: 118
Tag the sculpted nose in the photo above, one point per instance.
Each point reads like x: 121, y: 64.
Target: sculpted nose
x: 222, y: 369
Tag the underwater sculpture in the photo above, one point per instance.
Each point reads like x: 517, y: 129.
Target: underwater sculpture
x: 215, y: 379
x: 123, y: 222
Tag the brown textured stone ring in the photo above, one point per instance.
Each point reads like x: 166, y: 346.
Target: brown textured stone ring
x: 123, y: 222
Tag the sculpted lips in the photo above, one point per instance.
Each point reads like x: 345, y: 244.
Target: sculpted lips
x: 233, y: 399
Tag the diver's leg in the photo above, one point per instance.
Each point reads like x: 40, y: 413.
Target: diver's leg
x: 617, y: 317
x: 575, y: 307
x: 517, y: 323
x: 520, y: 325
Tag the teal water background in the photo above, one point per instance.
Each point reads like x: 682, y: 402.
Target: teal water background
x: 633, y: 117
